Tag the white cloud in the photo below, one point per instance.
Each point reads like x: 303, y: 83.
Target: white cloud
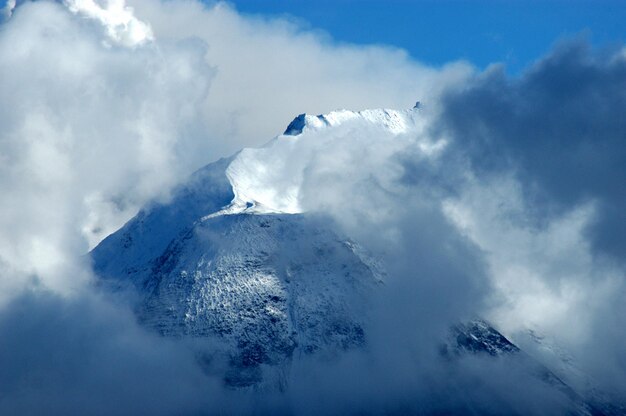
x: 89, y: 134
x: 118, y: 19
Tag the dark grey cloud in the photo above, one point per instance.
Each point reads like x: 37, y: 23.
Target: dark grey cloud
x: 560, y: 127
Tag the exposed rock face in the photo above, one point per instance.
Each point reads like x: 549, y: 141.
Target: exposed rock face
x: 479, y: 337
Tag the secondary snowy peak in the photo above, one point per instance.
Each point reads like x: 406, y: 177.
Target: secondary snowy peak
x: 269, y: 179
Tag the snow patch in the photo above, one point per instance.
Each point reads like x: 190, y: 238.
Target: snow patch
x: 268, y: 179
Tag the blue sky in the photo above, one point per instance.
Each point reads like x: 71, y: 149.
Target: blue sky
x: 513, y: 32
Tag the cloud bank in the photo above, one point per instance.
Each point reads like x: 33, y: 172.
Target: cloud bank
x: 517, y: 214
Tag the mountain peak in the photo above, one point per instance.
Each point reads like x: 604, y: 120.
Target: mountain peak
x: 396, y: 121
x: 268, y: 179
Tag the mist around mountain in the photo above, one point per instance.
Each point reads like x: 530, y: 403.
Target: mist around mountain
x: 165, y: 250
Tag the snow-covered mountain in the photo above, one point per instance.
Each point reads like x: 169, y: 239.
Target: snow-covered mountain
x: 234, y: 260
x: 232, y: 256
